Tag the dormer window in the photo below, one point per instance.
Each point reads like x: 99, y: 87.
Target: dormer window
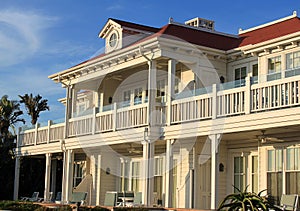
x: 113, y: 39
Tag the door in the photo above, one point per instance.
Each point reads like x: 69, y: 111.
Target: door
x: 204, y: 177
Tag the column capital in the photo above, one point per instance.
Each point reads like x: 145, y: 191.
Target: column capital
x: 215, y: 136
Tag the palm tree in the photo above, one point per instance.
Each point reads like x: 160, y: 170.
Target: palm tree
x: 34, y: 105
x: 9, y: 115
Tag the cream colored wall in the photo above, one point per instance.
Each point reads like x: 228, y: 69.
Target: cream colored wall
x: 223, y: 179
x: 203, y: 147
x: 109, y: 182
x: 93, y: 168
x: 108, y: 87
x: 231, y: 66
x: 184, y: 164
x: 262, y: 168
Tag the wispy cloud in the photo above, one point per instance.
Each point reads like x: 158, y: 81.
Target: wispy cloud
x: 20, y: 34
x: 114, y: 7
x: 26, y: 81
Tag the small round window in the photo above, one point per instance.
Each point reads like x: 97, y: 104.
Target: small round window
x: 113, y: 40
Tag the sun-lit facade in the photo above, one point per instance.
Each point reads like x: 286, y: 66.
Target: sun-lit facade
x: 180, y: 114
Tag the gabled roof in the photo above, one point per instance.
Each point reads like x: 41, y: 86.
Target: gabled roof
x: 270, y: 32
x: 191, y: 35
x: 199, y: 36
x: 125, y: 24
x: 135, y: 25
x: 210, y: 38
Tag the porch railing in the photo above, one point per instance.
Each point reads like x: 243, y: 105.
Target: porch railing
x: 218, y: 102
x: 41, y: 135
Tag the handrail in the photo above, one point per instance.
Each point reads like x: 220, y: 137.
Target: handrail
x: 221, y: 103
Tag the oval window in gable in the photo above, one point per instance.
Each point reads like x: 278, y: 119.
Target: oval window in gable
x: 113, y: 40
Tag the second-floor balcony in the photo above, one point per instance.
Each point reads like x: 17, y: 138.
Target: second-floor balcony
x: 218, y: 101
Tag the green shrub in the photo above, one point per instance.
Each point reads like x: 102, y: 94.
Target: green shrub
x: 19, y: 206
x: 97, y: 208
x: 29, y: 206
x: 136, y: 209
x: 245, y: 201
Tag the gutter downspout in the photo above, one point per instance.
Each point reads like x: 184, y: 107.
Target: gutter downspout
x: 63, y: 148
x: 150, y: 60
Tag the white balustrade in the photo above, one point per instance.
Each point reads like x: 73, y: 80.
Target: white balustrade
x: 80, y: 126
x: 231, y: 102
x: 192, y: 108
x: 104, y: 121
x: 57, y: 132
x: 243, y: 100
x: 132, y: 116
x: 275, y: 94
x: 42, y: 134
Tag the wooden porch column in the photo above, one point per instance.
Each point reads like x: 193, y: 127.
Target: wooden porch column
x: 170, y: 90
x: 169, y: 172
x: 63, y: 190
x: 69, y: 175
x: 53, y: 175
x: 148, y: 181
x: 47, y: 176
x: 215, y: 140
x: 68, y: 110
x: 248, y: 101
x: 17, y: 178
x: 67, y: 183
x: 151, y: 92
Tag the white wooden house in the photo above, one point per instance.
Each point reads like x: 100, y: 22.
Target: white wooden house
x: 179, y: 113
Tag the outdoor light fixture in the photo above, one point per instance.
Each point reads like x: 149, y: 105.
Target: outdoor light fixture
x: 146, y: 134
x: 262, y: 138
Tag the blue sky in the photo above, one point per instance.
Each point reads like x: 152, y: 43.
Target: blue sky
x: 39, y: 37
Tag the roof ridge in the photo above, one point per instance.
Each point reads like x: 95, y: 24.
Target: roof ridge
x: 241, y: 31
x: 203, y: 29
x: 137, y: 24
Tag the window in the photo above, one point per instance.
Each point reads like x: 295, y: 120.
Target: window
x: 161, y: 89
x: 135, y: 176
x: 138, y: 96
x: 113, y: 40
x: 293, y: 171
x: 158, y: 180
x: 255, y: 73
x: 292, y: 64
x: 239, y: 173
x: 274, y: 68
x: 274, y: 174
x: 174, y: 191
x: 124, y: 176
x: 79, y: 172
x: 126, y: 98
x: 254, y: 174
x: 240, y: 75
x: 293, y: 60
x: 274, y: 64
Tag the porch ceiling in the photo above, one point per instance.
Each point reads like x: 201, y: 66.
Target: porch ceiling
x: 286, y: 134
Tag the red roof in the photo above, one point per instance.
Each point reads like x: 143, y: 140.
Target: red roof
x: 214, y: 39
x: 199, y: 37
x: 270, y: 32
x: 135, y: 25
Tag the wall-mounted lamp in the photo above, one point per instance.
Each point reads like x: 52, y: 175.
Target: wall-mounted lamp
x: 107, y: 171
x: 221, y: 167
x: 146, y: 134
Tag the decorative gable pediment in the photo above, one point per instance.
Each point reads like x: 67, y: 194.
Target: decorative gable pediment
x: 118, y: 34
x: 112, y: 33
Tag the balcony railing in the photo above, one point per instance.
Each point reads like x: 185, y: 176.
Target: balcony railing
x: 216, y: 102
x: 42, y: 135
